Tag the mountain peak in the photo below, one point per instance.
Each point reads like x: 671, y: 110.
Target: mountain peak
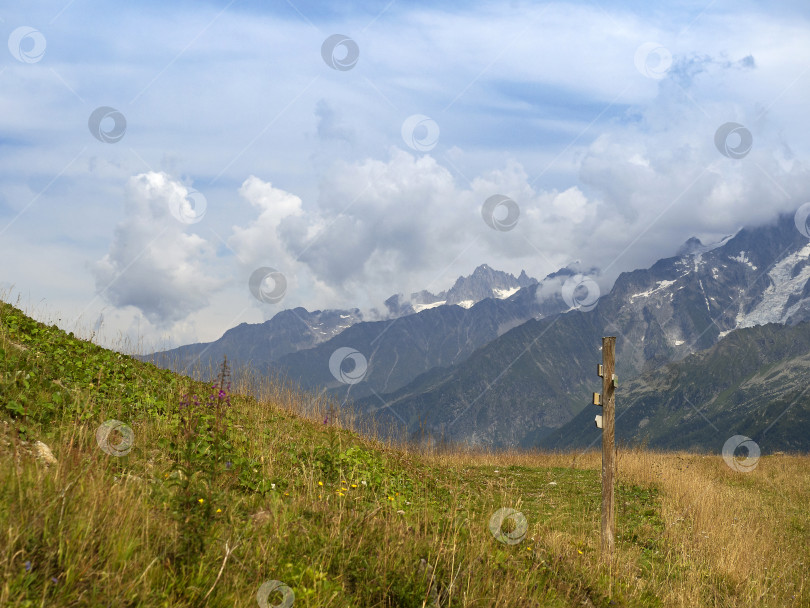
x: 692, y: 245
x: 483, y: 283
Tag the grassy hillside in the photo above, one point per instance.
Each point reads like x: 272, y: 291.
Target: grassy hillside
x: 199, y: 496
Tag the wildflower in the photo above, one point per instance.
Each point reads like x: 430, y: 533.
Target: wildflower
x: 228, y: 464
x: 27, y: 566
x: 578, y: 551
x: 272, y: 486
x: 54, y: 580
x: 201, y: 500
x: 363, y: 482
x: 354, y: 485
x: 219, y: 510
x: 390, y: 498
x: 320, y: 483
x: 341, y: 494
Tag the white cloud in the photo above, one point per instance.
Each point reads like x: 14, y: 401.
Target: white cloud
x: 153, y: 264
x: 539, y: 103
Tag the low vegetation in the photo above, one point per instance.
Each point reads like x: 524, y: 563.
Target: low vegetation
x: 165, y: 491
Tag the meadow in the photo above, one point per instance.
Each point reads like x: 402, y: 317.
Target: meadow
x: 243, y: 491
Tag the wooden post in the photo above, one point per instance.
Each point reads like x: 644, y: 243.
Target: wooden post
x: 608, y: 403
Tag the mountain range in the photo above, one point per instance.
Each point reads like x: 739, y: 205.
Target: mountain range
x: 524, y: 387
x: 416, y: 335
x: 499, y: 360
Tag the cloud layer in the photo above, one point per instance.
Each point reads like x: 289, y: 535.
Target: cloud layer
x: 599, y: 124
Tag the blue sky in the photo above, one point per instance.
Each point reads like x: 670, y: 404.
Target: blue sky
x: 597, y: 118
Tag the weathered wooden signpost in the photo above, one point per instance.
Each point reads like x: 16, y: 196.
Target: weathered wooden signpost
x: 606, y: 423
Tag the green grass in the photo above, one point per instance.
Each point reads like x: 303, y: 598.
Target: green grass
x: 265, y: 491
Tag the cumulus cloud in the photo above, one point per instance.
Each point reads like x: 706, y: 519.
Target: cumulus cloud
x: 662, y: 179
x: 605, y: 164
x: 404, y: 224
x: 410, y: 221
x: 153, y: 264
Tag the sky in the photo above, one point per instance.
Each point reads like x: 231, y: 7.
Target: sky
x: 159, y: 160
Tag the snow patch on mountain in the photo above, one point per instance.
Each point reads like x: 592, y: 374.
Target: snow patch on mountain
x: 645, y: 294
x: 742, y: 257
x: 502, y: 294
x: 421, y: 307
x: 698, y: 260
x: 773, y: 307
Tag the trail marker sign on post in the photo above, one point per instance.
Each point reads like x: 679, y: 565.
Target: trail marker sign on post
x: 606, y: 422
